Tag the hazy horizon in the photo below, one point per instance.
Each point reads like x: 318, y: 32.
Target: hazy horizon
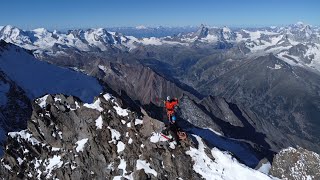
x: 81, y: 14
x: 163, y: 26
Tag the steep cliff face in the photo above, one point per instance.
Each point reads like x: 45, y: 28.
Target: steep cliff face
x: 15, y: 108
x: 139, y: 82
x: 68, y: 139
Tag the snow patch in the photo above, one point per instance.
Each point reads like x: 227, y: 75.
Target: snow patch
x: 172, y: 145
x: 156, y: 137
x: 20, y: 161
x: 54, y: 163
x: 103, y: 68
x: 95, y: 105
x: 42, y: 101
x: 141, y: 27
x: 210, y: 38
x: 151, y: 41
x: 55, y: 149
x: 80, y: 144
x: 99, y: 122
x: 120, y: 146
x: 123, y: 166
x: 276, y: 66
x: 7, y: 167
x: 265, y: 168
x: 120, y: 111
x: 24, y: 135
x: 142, y: 164
x: 107, y: 96
x: 138, y: 121
x: 57, y: 99
x: 224, y: 166
x: 111, y: 166
x: 115, y: 135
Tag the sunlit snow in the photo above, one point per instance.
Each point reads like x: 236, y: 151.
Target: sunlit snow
x: 142, y: 164
x: 80, y: 144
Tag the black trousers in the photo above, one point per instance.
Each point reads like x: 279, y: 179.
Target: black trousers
x: 173, y: 129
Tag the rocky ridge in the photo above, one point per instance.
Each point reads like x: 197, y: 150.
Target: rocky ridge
x: 68, y: 139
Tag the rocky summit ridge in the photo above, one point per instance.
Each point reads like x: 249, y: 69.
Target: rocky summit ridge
x: 69, y: 139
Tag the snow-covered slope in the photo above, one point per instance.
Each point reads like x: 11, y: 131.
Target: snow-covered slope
x: 110, y: 142
x: 222, y: 167
x: 37, y: 77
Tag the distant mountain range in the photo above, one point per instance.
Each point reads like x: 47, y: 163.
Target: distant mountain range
x: 296, y: 44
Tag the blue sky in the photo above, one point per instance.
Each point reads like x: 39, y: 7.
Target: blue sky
x: 60, y: 14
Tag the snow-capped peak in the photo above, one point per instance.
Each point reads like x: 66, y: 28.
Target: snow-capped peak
x: 40, y: 30
x: 299, y: 23
x: 10, y: 30
x: 9, y: 27
x: 226, y: 29
x: 141, y: 27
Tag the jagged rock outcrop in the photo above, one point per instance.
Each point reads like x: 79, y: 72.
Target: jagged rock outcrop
x: 68, y: 139
x: 296, y: 164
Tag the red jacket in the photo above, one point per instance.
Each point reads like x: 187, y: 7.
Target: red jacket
x: 170, y: 105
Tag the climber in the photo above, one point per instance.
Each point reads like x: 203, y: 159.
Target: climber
x: 171, y: 105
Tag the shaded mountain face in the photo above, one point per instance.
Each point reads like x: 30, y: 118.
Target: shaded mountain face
x: 38, y: 77
x: 139, y: 82
x: 15, y: 107
x: 285, y: 98
x: 68, y: 139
